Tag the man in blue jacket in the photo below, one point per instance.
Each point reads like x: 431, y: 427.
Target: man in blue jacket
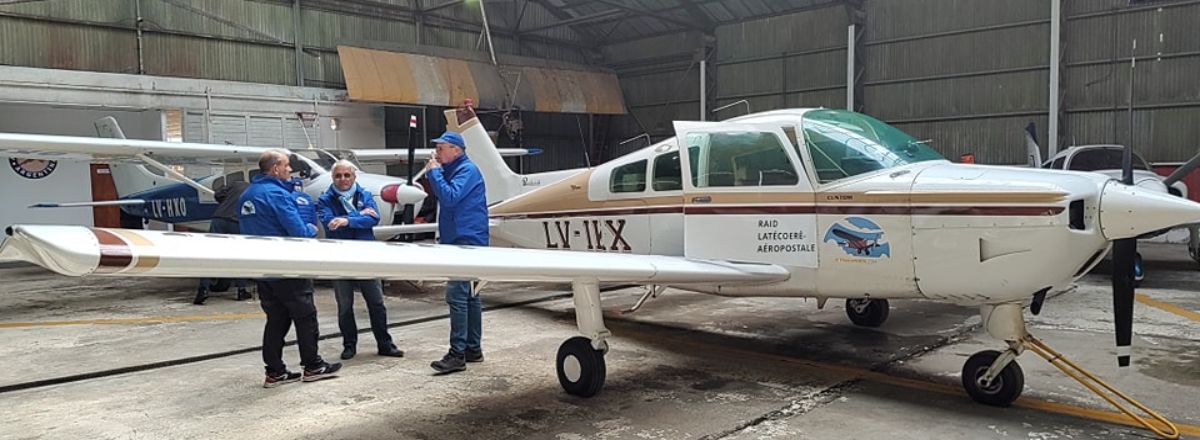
x: 463, y: 219
x: 268, y: 207
x: 348, y: 212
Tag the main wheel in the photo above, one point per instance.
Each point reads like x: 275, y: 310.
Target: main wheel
x: 867, y: 312
x: 1003, y: 390
x: 580, y: 367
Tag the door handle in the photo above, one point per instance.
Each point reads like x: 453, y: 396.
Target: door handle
x: 702, y: 199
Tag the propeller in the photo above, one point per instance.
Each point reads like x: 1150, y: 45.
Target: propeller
x: 1183, y: 170
x: 1124, y: 255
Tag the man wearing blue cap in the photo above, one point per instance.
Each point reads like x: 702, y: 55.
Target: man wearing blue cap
x: 462, y: 219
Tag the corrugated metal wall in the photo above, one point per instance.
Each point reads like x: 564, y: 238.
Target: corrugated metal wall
x: 247, y: 40
x: 967, y: 74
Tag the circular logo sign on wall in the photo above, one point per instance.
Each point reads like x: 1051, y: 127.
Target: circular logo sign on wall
x: 32, y: 168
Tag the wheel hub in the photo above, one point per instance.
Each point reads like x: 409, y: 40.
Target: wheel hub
x: 572, y: 369
x: 990, y: 388
x: 860, y: 305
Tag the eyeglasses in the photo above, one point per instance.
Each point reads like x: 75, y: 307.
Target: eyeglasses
x: 343, y: 176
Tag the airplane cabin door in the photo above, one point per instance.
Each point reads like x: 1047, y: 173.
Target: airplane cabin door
x: 746, y: 196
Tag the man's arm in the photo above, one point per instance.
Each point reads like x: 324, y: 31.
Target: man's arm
x: 361, y: 221
x: 325, y: 211
x: 450, y: 192
x: 289, y: 217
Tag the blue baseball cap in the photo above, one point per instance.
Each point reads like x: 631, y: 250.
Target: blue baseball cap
x: 451, y: 138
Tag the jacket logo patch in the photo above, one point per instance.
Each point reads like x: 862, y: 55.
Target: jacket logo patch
x: 248, y: 208
x: 301, y: 201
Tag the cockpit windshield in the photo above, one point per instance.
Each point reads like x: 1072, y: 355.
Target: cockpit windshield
x: 308, y: 164
x: 844, y: 144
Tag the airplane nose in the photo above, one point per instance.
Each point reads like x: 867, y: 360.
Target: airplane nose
x: 400, y: 194
x: 1130, y: 211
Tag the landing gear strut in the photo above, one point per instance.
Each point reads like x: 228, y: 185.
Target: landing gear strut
x: 867, y: 312
x: 580, y: 361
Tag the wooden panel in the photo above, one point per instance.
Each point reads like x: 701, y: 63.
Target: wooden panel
x: 104, y: 189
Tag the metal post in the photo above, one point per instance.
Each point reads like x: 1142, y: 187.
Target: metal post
x: 703, y: 89
x: 1055, y: 64
x: 141, y: 49
x: 487, y: 31
x: 296, y: 26
x: 850, y: 68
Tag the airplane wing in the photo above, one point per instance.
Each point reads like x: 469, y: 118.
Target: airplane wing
x: 400, y: 155
x: 79, y: 251
x: 101, y: 150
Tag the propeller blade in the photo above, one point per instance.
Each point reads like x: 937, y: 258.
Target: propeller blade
x: 1124, y: 252
x: 1033, y: 151
x: 1183, y: 170
x: 1124, y: 255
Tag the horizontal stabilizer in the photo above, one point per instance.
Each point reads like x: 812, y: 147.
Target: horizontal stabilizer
x: 125, y: 202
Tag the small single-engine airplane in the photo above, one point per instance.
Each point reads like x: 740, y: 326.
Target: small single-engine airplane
x: 1106, y: 159
x: 733, y: 208
x: 172, y: 197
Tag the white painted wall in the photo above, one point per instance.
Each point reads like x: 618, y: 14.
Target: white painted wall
x: 70, y: 181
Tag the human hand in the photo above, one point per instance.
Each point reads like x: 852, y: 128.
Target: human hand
x: 338, y: 223
x: 433, y: 163
x: 369, y: 211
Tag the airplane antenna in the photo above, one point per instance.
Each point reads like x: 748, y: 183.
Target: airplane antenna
x: 743, y: 101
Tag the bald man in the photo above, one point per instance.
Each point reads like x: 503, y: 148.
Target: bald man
x: 268, y: 208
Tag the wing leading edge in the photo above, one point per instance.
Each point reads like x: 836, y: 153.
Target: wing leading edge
x: 79, y: 251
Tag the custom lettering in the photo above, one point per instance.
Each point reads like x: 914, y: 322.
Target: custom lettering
x: 617, y: 238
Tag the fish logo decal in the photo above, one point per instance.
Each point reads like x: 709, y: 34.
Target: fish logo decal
x: 859, y: 237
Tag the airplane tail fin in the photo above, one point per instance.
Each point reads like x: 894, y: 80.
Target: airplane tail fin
x: 1033, y: 152
x: 129, y: 179
x: 501, y: 182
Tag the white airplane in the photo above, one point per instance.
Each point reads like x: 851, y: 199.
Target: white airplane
x: 813, y: 203
x: 171, y: 197
x: 1106, y: 159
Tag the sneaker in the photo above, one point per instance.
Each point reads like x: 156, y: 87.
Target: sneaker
x: 280, y: 379
x: 450, y: 363
x: 201, y: 296
x: 474, y: 355
x: 348, y: 353
x: 242, y: 295
x: 325, y: 371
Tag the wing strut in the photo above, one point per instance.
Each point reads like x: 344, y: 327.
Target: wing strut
x: 175, y: 174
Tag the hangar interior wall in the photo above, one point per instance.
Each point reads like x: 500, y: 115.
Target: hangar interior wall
x: 70, y: 181
x: 966, y: 74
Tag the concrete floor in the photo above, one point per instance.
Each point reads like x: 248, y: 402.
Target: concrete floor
x: 132, y: 358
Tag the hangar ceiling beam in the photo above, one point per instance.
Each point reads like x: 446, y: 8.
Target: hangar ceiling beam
x: 661, y: 17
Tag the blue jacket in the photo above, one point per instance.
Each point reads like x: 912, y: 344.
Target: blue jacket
x: 268, y: 207
x: 330, y: 207
x: 304, y: 203
x: 463, y: 218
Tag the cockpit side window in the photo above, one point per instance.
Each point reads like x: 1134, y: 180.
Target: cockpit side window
x: 667, y: 174
x: 1095, y: 159
x: 628, y: 178
x: 743, y: 158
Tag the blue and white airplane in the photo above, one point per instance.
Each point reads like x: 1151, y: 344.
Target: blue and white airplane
x: 171, y: 197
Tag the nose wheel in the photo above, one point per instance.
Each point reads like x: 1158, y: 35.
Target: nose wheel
x: 867, y: 312
x: 580, y: 367
x: 1001, y: 390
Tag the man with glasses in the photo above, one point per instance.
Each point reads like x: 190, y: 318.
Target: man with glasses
x: 348, y: 212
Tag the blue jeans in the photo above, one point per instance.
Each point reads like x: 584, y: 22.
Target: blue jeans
x: 466, y: 317
x: 372, y: 292
x: 223, y: 226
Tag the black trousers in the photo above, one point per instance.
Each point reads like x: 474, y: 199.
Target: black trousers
x: 285, y: 302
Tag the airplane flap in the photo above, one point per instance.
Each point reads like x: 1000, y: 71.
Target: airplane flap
x: 77, y: 251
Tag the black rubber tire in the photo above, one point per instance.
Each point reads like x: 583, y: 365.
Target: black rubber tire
x: 221, y: 285
x: 875, y: 314
x: 591, y: 367
x: 1004, y: 389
